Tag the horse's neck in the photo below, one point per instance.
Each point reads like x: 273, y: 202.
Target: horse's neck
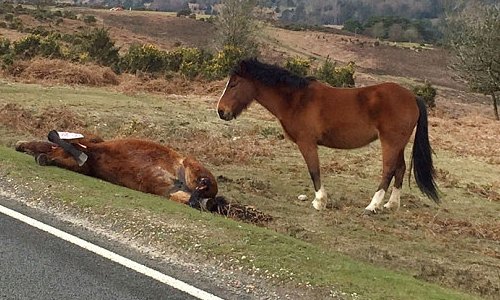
x: 275, y: 100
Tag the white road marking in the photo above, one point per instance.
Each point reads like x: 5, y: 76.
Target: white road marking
x: 175, y: 283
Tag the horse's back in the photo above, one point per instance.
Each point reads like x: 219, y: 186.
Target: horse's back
x: 353, y: 117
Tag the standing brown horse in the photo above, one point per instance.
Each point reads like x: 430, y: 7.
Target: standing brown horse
x: 312, y: 113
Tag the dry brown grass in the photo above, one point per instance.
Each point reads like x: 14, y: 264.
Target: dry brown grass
x: 178, y: 85
x: 20, y: 119
x: 55, y: 71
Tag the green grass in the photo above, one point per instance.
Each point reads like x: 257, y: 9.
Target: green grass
x: 262, y: 248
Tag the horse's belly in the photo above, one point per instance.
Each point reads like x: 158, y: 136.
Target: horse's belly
x: 136, y: 174
x: 348, y: 138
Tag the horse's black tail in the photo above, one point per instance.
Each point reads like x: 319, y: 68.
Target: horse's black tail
x: 423, y: 169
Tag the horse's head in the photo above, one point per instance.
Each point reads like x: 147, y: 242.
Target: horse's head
x: 199, y: 198
x: 237, y: 95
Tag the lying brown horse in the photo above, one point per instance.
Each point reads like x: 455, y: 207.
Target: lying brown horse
x: 312, y: 113
x: 137, y: 164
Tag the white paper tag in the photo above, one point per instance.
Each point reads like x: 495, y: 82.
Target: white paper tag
x: 69, y: 135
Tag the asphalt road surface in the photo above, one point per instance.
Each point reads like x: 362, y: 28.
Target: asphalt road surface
x: 37, y: 265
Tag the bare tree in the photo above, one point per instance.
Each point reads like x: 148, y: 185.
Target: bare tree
x: 474, y: 38
x: 236, y: 26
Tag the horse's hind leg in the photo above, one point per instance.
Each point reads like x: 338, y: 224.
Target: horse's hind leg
x: 180, y: 196
x: 394, y: 200
x: 390, y: 158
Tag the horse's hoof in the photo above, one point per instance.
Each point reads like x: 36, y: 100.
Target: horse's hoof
x: 319, y: 205
x: 391, y: 206
x: 368, y: 212
x: 42, y: 159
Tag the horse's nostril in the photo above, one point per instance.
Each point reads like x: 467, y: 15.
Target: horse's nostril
x: 221, y: 113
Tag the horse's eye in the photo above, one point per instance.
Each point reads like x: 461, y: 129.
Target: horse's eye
x: 233, y: 84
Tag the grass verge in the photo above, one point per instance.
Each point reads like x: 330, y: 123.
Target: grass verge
x: 259, y: 250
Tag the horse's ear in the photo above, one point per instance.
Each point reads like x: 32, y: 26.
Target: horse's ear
x: 242, y: 68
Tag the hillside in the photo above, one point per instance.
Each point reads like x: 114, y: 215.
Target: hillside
x: 453, y: 246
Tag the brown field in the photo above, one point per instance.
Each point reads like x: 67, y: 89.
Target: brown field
x: 456, y: 244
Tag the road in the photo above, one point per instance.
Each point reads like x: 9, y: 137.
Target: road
x: 37, y: 265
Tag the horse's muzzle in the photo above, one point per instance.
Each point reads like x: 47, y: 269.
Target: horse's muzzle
x: 227, y: 116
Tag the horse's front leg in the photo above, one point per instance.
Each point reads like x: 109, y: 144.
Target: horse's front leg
x: 310, y: 153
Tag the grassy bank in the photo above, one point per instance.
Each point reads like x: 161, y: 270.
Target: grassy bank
x: 403, y: 254
x: 259, y: 250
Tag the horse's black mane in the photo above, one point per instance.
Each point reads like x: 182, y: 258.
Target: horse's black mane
x: 270, y: 75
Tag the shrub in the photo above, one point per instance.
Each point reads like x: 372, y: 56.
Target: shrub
x: 173, y: 59
x: 4, y: 46
x: 16, y: 24
x: 9, y: 17
x: 3, y: 24
x: 68, y: 14
x: 39, y: 30
x: 353, y: 26
x: 89, y: 19
x: 145, y: 58
x: 220, y: 65
x: 427, y: 92
x: 6, y: 8
x: 298, y: 66
x: 27, y: 47
x: 59, y: 21
x: 184, y: 12
x: 99, y: 46
x: 7, y: 60
x: 19, y: 9
x: 41, y: 14
x: 336, y: 76
x: 50, y: 47
x: 192, y: 62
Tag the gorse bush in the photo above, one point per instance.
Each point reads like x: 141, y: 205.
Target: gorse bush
x: 16, y: 24
x: 39, y: 30
x: 190, y: 62
x: 298, y: 66
x: 145, y: 58
x: 99, y: 46
x: 427, y: 92
x: 223, y: 62
x: 193, y: 60
x: 4, y: 46
x: 68, y: 14
x: 89, y: 19
x: 9, y: 17
x: 327, y: 72
x: 34, y: 45
x: 50, y: 47
x: 336, y: 76
x: 27, y: 47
